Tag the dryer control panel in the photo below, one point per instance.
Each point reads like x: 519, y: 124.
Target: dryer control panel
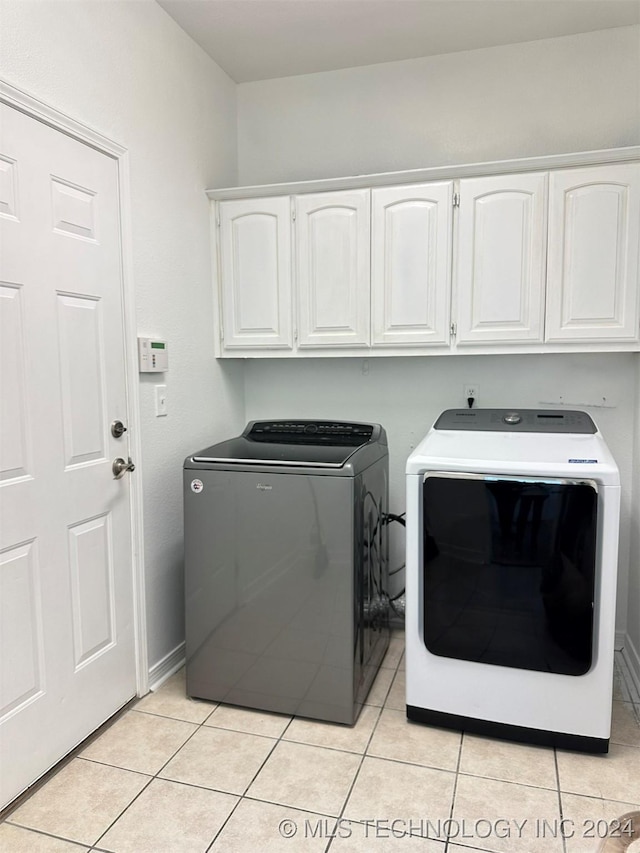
x: 517, y: 420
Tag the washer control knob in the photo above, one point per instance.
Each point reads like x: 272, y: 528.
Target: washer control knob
x: 512, y: 418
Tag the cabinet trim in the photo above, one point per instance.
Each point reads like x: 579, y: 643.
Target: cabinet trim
x: 437, y: 173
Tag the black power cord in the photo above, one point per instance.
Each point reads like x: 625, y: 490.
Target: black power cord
x: 389, y: 518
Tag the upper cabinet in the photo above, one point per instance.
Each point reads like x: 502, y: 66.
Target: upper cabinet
x: 594, y: 228
x: 501, y: 259
x: 255, y: 273
x: 332, y: 268
x: 411, y: 233
x: 522, y: 262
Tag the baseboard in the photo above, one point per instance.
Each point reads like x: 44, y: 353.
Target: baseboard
x: 631, y: 657
x: 166, y: 667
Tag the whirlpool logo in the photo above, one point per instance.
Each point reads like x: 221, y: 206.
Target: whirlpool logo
x: 264, y: 487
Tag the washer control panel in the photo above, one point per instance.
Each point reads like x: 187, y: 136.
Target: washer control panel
x: 517, y: 420
x: 337, y: 433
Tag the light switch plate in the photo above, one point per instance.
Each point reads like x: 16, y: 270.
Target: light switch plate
x: 161, y: 401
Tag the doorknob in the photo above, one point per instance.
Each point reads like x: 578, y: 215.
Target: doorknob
x: 120, y: 466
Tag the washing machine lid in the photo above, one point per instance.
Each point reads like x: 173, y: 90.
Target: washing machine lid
x: 528, y: 447
x: 294, y: 443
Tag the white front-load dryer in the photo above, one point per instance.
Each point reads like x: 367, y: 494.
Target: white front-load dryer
x: 512, y: 543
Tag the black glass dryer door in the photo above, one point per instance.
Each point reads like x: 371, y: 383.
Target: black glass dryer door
x: 509, y: 571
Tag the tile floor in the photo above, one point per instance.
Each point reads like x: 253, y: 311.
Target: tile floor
x: 174, y: 775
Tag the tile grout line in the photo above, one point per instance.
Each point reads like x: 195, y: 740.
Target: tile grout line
x: 455, y: 786
x: 281, y: 739
x: 205, y: 725
x: 239, y: 796
x: 200, y: 726
x: 153, y: 777
x: 67, y: 759
x: 357, y: 773
x: 368, y: 744
x: 508, y: 781
x: 47, y: 834
x: 560, y: 805
x: 243, y: 796
x: 380, y: 710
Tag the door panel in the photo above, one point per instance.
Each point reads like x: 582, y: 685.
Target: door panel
x: 82, y: 377
x: 411, y: 263
x: 501, y: 259
x: 333, y: 263
x: 68, y: 660
x: 73, y: 209
x: 16, y: 436
x: 594, y: 224
x: 22, y: 642
x: 255, y: 265
x: 92, y: 592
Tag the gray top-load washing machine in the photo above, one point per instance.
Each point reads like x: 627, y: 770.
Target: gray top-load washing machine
x: 286, y: 567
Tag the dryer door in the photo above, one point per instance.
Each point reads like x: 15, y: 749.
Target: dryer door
x: 509, y: 569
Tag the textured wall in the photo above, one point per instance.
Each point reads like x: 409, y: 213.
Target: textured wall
x: 126, y: 69
x: 545, y: 97
x: 633, y: 616
x: 406, y: 395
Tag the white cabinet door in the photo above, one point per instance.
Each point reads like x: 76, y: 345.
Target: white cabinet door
x: 333, y: 264
x: 501, y: 259
x: 411, y: 234
x: 594, y: 229
x: 255, y: 273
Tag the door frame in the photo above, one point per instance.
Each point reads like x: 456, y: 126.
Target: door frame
x: 31, y: 106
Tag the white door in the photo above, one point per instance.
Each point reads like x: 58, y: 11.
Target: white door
x: 255, y: 272
x: 594, y: 234
x: 501, y: 259
x: 411, y: 234
x: 66, y: 606
x: 333, y: 263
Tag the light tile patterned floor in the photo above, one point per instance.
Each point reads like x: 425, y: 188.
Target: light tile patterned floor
x: 174, y: 775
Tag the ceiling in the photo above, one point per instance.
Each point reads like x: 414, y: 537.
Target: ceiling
x: 262, y: 39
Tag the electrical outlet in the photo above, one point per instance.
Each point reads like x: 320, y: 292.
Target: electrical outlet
x: 471, y: 390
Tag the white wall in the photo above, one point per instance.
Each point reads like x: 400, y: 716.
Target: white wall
x: 406, y: 395
x: 632, y: 644
x: 546, y: 97
x: 127, y: 70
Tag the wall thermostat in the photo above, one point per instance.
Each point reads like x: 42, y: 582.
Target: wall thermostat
x: 153, y: 355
